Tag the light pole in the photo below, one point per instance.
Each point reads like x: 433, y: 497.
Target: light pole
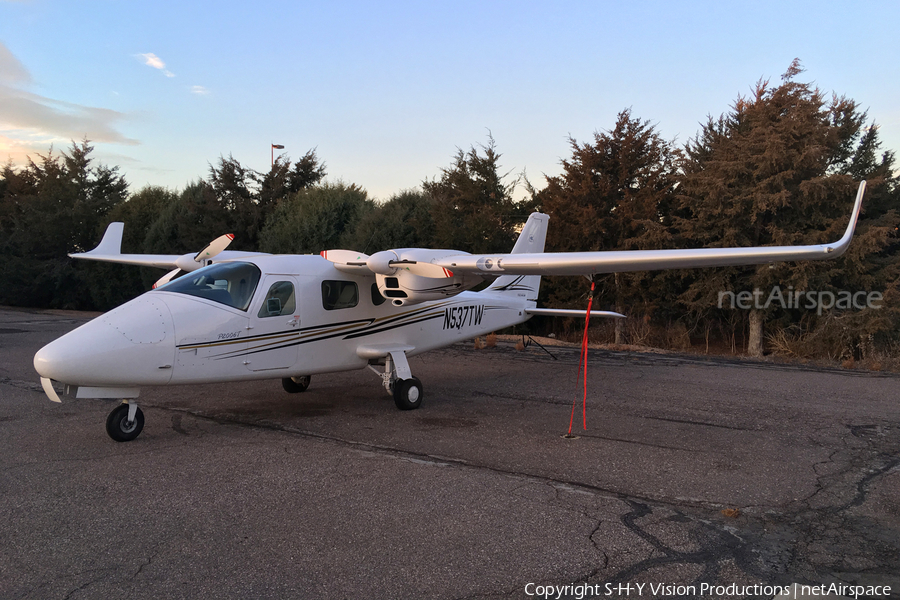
x: 274, y: 146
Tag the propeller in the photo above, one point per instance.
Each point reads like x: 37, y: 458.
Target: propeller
x: 166, y: 278
x: 347, y: 261
x: 386, y: 262
x: 187, y: 263
x: 422, y: 269
x: 214, y: 247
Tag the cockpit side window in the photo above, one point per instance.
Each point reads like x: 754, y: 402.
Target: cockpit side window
x: 339, y: 294
x: 278, y: 301
x: 231, y: 284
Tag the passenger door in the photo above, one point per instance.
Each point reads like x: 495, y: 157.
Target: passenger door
x: 275, y: 321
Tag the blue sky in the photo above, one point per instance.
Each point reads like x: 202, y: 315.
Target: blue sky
x: 387, y: 91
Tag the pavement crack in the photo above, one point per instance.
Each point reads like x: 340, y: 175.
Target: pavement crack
x: 31, y: 386
x: 430, y: 458
x: 85, y: 585
x: 149, y: 561
x: 888, y: 463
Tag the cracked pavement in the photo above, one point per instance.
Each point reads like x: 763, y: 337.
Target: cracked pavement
x: 242, y: 490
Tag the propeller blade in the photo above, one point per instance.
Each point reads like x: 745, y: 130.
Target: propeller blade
x: 422, y: 269
x: 347, y: 261
x: 166, y: 278
x: 345, y: 256
x: 214, y: 247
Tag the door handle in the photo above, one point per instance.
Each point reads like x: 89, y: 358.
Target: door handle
x: 295, y: 321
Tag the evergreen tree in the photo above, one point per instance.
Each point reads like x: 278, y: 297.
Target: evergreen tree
x: 472, y: 207
x: 614, y: 194
x: 404, y: 221
x: 249, y: 196
x: 189, y: 221
x: 778, y: 169
x: 315, y: 219
x: 281, y: 181
x: 49, y: 208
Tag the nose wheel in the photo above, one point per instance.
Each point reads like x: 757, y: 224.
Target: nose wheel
x: 399, y: 381
x: 295, y: 385
x: 408, y: 393
x: 125, y: 422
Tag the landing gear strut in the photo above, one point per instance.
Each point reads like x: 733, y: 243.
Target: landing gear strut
x: 399, y: 382
x: 125, y: 422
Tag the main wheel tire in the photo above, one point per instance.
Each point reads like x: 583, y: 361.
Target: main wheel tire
x: 295, y: 385
x: 120, y: 428
x: 408, y: 393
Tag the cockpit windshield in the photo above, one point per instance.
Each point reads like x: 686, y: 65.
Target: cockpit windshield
x: 231, y: 284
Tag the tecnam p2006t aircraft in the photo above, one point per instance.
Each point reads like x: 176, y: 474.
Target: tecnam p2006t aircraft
x: 242, y: 316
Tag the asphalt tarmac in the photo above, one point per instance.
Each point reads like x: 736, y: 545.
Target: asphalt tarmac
x: 691, y: 471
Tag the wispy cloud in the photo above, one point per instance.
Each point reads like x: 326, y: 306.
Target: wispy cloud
x: 152, y: 60
x: 199, y: 90
x: 11, y: 70
x: 30, y: 122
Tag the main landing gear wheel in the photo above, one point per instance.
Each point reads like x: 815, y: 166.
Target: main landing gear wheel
x: 408, y: 393
x: 295, y: 385
x: 120, y: 428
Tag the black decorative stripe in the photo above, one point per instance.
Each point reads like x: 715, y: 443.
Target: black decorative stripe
x: 360, y: 334
x: 371, y: 327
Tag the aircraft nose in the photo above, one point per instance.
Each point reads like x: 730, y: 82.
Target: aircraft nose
x: 131, y: 345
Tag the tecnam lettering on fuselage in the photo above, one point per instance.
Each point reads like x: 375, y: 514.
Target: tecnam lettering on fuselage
x: 236, y: 316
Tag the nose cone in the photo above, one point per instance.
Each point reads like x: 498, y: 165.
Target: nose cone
x: 133, y: 344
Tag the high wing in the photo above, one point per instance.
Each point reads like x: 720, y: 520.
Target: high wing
x: 591, y: 263
x: 110, y: 250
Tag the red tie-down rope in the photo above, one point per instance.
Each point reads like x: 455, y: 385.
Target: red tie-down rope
x: 582, y: 366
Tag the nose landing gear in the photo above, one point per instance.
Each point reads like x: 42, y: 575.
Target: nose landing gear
x: 125, y: 422
x: 399, y: 381
x: 295, y: 385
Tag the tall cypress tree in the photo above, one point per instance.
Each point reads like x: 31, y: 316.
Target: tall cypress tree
x: 780, y: 169
x: 613, y: 194
x: 472, y: 206
x: 56, y: 205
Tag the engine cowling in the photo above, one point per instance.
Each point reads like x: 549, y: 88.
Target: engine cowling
x: 407, y: 276
x: 405, y: 284
x: 405, y: 288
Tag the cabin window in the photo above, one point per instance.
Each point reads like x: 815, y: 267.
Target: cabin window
x: 339, y: 294
x: 377, y: 298
x: 278, y: 301
x: 231, y: 284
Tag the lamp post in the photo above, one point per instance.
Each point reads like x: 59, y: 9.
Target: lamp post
x: 274, y: 146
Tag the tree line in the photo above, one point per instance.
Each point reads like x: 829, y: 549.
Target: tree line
x: 780, y: 167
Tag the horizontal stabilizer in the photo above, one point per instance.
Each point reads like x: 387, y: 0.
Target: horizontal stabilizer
x: 563, y: 312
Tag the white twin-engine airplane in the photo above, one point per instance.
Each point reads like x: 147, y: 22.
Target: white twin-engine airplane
x: 243, y: 315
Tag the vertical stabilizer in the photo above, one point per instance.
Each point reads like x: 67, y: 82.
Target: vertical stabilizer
x: 111, y: 244
x: 531, y: 241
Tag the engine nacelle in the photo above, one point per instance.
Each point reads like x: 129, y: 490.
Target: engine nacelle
x: 405, y: 288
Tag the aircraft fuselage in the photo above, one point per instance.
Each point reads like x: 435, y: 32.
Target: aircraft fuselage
x: 301, y: 317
